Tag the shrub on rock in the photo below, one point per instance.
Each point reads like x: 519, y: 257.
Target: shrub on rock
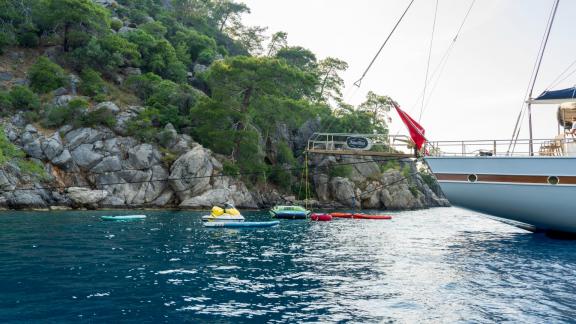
x: 46, y: 76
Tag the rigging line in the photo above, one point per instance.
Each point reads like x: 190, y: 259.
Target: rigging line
x: 357, y: 83
x: 548, y: 30
x: 444, y: 61
x: 429, y: 57
x: 556, y: 82
x: 439, y: 68
x: 564, y: 78
x: 199, y: 177
x: 541, y: 54
x: 528, y: 93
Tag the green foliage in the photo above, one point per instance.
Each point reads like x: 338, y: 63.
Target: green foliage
x: 143, y: 85
x: 170, y: 100
x: 33, y: 168
x: 285, y: 154
x: 107, y: 54
x: 390, y: 165
x: 24, y: 99
x: 65, y: 16
x: 406, y: 171
x: 298, y: 57
x: 229, y: 168
x: 280, y: 177
x: 46, y: 76
x: 428, y: 179
x: 158, y: 56
x: 28, y: 35
x: 97, y: 117
x: 206, y: 56
x: 5, y: 40
x: 194, y: 43
x: 8, y: 151
x: 331, y: 84
x: 168, y: 157
x: 414, y: 190
x: 91, y: 83
x: 116, y: 24
x: 69, y: 114
x: 5, y: 103
x: 31, y: 116
x: 144, y: 126
x: 154, y: 28
x: 340, y: 171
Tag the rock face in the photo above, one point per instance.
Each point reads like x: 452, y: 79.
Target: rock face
x: 366, y: 186
x: 102, y: 167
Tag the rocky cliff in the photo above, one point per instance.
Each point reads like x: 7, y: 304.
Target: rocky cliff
x: 101, y: 168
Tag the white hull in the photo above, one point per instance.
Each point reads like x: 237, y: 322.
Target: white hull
x: 515, y: 188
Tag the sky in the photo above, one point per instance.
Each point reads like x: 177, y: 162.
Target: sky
x: 479, y: 91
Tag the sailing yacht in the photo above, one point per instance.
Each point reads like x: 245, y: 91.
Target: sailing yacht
x: 530, y: 183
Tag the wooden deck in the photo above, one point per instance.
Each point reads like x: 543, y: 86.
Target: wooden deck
x: 359, y: 153
x: 377, y: 145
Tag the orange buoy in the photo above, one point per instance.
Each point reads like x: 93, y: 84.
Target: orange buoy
x: 366, y: 216
x: 342, y: 215
x: 321, y: 217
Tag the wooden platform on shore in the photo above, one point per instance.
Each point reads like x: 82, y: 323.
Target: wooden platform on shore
x: 359, y: 153
x: 377, y: 145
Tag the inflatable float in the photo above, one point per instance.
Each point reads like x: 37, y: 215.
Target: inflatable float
x: 360, y: 216
x: 122, y: 217
x: 240, y: 224
x: 289, y: 212
x: 321, y: 217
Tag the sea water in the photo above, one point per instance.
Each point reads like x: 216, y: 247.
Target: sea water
x: 435, y: 265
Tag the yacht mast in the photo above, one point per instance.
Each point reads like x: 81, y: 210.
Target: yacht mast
x: 539, y: 60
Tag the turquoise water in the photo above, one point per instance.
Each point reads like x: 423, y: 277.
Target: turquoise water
x: 437, y: 265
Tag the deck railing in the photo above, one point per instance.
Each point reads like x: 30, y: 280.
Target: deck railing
x: 377, y: 144
x: 542, y: 147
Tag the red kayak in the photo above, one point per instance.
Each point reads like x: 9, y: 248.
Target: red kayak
x: 321, y: 217
x: 360, y: 216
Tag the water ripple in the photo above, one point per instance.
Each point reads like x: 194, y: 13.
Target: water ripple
x: 437, y: 265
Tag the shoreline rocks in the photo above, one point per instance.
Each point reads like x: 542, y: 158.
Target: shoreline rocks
x: 100, y: 168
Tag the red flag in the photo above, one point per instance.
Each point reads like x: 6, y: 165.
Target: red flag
x: 416, y: 131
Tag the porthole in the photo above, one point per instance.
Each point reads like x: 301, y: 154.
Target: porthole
x: 472, y: 178
x: 553, y: 180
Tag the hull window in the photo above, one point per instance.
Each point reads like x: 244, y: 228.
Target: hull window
x: 553, y: 180
x: 472, y: 178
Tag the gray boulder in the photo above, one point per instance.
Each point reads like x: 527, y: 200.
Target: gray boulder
x: 108, y: 164
x: 53, y: 147
x: 25, y: 199
x: 144, y: 156
x: 343, y: 191
x: 82, y: 136
x: 85, y: 196
x: 108, y: 105
x: 125, y: 30
x: 34, y: 149
x: 84, y: 156
x: 18, y: 120
x: 64, y: 160
x: 190, y: 173
x: 6, y: 76
x: 7, y: 181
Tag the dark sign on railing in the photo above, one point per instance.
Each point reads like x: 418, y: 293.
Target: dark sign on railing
x: 358, y: 143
